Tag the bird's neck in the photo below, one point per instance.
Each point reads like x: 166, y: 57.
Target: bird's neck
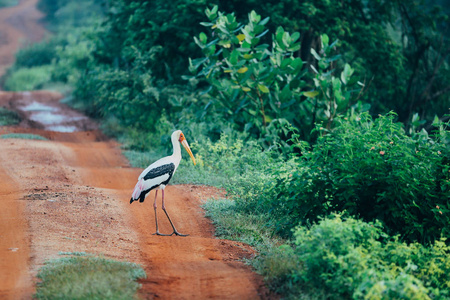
x: 176, y: 149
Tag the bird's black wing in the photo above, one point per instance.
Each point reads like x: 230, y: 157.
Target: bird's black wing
x: 167, y: 169
x: 160, y: 171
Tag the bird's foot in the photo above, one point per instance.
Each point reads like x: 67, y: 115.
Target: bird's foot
x: 179, y: 234
x: 161, y: 234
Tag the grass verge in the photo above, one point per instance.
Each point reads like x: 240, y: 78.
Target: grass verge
x: 84, y: 276
x: 25, y: 136
x: 275, y: 261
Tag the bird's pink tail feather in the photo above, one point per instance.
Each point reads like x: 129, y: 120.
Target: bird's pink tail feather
x: 138, y: 189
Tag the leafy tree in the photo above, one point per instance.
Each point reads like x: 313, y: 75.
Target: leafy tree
x: 399, y: 48
x: 371, y: 169
x: 160, y: 30
x: 262, y: 88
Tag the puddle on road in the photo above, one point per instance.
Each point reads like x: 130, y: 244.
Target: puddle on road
x: 51, y: 117
x: 36, y: 106
x: 62, y: 128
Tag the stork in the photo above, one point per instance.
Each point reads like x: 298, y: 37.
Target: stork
x: 158, y: 174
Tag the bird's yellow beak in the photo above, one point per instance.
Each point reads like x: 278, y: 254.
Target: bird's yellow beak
x: 188, y: 149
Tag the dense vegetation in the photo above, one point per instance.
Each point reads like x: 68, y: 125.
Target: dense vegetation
x: 326, y: 121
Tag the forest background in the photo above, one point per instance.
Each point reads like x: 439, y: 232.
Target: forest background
x: 326, y: 121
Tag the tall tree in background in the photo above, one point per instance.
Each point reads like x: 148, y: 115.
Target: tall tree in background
x: 399, y: 48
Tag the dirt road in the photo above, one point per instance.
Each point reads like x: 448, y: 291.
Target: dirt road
x: 70, y: 193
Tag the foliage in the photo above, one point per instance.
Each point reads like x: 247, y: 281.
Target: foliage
x: 28, y: 79
x: 262, y: 90
x: 72, y: 57
x: 160, y: 29
x: 335, y: 248
x: 7, y: 3
x: 399, y: 48
x: 8, y: 117
x: 338, y: 257
x: 276, y: 263
x: 67, y: 15
x: 373, y: 170
x: 88, y: 277
x: 38, y: 54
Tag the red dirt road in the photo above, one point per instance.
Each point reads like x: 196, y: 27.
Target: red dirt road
x: 71, y: 193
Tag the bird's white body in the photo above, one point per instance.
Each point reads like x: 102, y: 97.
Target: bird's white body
x: 159, y: 173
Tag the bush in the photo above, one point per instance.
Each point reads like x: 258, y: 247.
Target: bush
x: 345, y: 259
x: 261, y: 88
x: 8, y: 117
x: 38, y: 54
x: 28, y: 79
x: 371, y: 169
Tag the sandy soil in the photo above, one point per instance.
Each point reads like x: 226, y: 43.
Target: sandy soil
x: 71, y: 193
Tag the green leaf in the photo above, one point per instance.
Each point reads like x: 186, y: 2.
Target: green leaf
x: 234, y: 57
x: 203, y: 37
x: 263, y: 88
x: 207, y: 24
x: 242, y: 70
x: 286, y: 93
x: 279, y: 35
x: 286, y: 39
x: 311, y: 94
x: 346, y: 73
x: 265, y: 21
x: 241, y: 37
x: 295, y: 36
x: 315, y: 54
x: 325, y: 40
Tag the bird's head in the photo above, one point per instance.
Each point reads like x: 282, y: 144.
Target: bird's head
x: 183, y: 141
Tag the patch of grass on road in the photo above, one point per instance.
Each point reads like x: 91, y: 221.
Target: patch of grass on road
x: 25, y: 136
x: 88, y: 277
x: 8, y: 117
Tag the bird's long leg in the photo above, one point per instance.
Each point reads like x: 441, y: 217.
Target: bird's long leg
x: 164, y: 209
x: 156, y: 218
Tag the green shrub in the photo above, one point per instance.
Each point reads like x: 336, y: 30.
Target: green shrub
x: 348, y: 259
x: 335, y: 255
x: 8, y: 117
x: 261, y: 87
x: 7, y: 3
x: 28, y: 79
x: 239, y: 165
x: 38, y: 54
x: 371, y: 169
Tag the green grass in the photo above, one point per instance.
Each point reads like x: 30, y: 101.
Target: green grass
x: 8, y: 117
x: 275, y: 261
x: 231, y: 224
x: 28, y: 79
x: 84, y: 276
x: 8, y: 3
x: 26, y: 136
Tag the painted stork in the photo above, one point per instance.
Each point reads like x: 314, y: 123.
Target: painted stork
x: 158, y: 174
